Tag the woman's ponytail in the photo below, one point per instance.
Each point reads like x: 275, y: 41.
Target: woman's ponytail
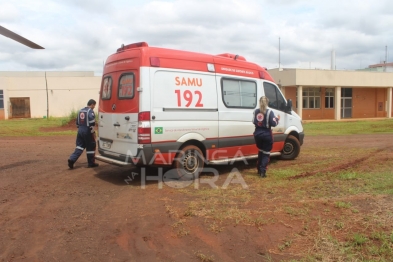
x: 263, y: 104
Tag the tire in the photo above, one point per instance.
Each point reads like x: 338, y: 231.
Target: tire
x: 189, y: 163
x: 291, y: 148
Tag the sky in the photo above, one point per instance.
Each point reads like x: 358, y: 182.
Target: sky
x: 78, y: 35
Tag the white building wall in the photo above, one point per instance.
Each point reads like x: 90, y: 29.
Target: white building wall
x: 67, y: 91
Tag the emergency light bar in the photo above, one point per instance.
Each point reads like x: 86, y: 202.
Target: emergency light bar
x: 130, y: 46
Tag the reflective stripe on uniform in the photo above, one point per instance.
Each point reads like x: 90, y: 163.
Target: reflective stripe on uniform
x: 87, y: 117
x: 264, y: 152
x: 80, y: 148
x: 268, y: 119
x: 90, y: 152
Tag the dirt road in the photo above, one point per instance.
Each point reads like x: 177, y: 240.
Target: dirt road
x: 51, y: 213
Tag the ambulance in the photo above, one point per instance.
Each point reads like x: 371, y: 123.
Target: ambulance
x: 185, y: 110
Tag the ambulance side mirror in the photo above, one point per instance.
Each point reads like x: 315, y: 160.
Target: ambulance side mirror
x: 288, y: 109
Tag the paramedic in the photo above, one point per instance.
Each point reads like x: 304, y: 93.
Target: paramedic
x: 263, y: 120
x: 86, y: 135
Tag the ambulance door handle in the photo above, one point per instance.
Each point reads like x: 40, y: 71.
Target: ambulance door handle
x: 116, y: 124
x: 153, y: 117
x: 127, y: 118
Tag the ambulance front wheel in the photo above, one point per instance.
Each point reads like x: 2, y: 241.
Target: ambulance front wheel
x: 291, y: 148
x: 189, y: 162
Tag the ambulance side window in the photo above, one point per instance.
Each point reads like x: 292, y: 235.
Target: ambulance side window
x: 239, y: 93
x: 126, y: 86
x: 106, y: 93
x: 276, y: 100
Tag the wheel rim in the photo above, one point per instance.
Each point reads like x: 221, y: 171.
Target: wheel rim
x: 288, y: 148
x: 190, y: 162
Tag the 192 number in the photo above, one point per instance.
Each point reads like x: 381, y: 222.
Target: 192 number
x: 188, y: 97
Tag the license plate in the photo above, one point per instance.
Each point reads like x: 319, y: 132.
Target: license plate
x: 106, y: 145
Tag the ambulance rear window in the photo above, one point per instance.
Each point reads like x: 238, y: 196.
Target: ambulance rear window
x: 106, y: 93
x: 126, y: 86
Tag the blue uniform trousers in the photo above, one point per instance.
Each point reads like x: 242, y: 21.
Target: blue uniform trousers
x: 264, y: 142
x: 84, y: 140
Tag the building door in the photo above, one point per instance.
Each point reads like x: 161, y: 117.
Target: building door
x: 1, y: 104
x: 20, y: 107
x: 346, y: 102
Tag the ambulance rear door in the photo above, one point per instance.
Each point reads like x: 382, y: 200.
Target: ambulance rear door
x: 119, y: 108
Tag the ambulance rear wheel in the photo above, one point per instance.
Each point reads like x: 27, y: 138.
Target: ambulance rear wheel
x: 189, y: 162
x: 291, y: 148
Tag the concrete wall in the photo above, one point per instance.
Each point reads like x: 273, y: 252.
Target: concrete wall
x: 61, y: 92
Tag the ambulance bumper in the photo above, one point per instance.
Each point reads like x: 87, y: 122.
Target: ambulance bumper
x: 145, y: 156
x: 112, y: 161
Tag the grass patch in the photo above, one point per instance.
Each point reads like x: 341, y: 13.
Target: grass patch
x: 349, y: 203
x: 32, y: 126
x: 204, y: 258
x: 383, y: 126
x: 35, y: 126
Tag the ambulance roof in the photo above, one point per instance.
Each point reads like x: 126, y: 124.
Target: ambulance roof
x: 225, y: 63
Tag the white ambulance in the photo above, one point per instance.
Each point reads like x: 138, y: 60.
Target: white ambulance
x: 180, y: 109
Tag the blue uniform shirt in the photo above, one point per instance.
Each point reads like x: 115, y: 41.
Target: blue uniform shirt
x: 86, y: 119
x: 264, y: 122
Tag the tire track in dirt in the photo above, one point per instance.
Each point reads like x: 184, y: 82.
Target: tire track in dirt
x: 344, y: 166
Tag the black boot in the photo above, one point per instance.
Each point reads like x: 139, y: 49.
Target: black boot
x: 263, y: 174
x: 70, y: 164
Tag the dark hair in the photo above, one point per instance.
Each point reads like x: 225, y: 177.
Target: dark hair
x: 91, y: 102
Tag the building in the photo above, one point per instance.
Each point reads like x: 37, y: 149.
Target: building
x: 383, y: 67
x: 316, y: 94
x: 335, y: 94
x: 45, y: 94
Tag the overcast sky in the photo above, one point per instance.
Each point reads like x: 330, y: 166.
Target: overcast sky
x: 80, y: 34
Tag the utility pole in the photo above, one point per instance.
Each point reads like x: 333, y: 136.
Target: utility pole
x: 279, y: 53
x: 386, y: 56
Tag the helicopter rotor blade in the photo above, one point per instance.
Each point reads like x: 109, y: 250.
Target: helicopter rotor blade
x: 18, y: 38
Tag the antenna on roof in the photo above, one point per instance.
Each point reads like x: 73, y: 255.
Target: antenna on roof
x: 386, y: 54
x: 279, y: 53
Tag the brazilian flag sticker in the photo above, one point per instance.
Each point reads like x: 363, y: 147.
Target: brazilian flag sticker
x: 158, y: 130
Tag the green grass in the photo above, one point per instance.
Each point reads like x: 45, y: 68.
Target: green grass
x: 32, y: 126
x: 36, y: 126
x: 348, y: 127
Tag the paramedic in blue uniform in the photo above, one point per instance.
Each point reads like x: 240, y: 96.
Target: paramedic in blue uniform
x: 85, y: 138
x: 264, y: 120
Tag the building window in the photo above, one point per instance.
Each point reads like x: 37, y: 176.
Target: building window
x: 311, y: 97
x: 329, y: 98
x: 239, y: 93
x: 1, y: 99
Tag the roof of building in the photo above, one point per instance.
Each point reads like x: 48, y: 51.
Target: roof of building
x: 48, y: 73
x: 331, y: 78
